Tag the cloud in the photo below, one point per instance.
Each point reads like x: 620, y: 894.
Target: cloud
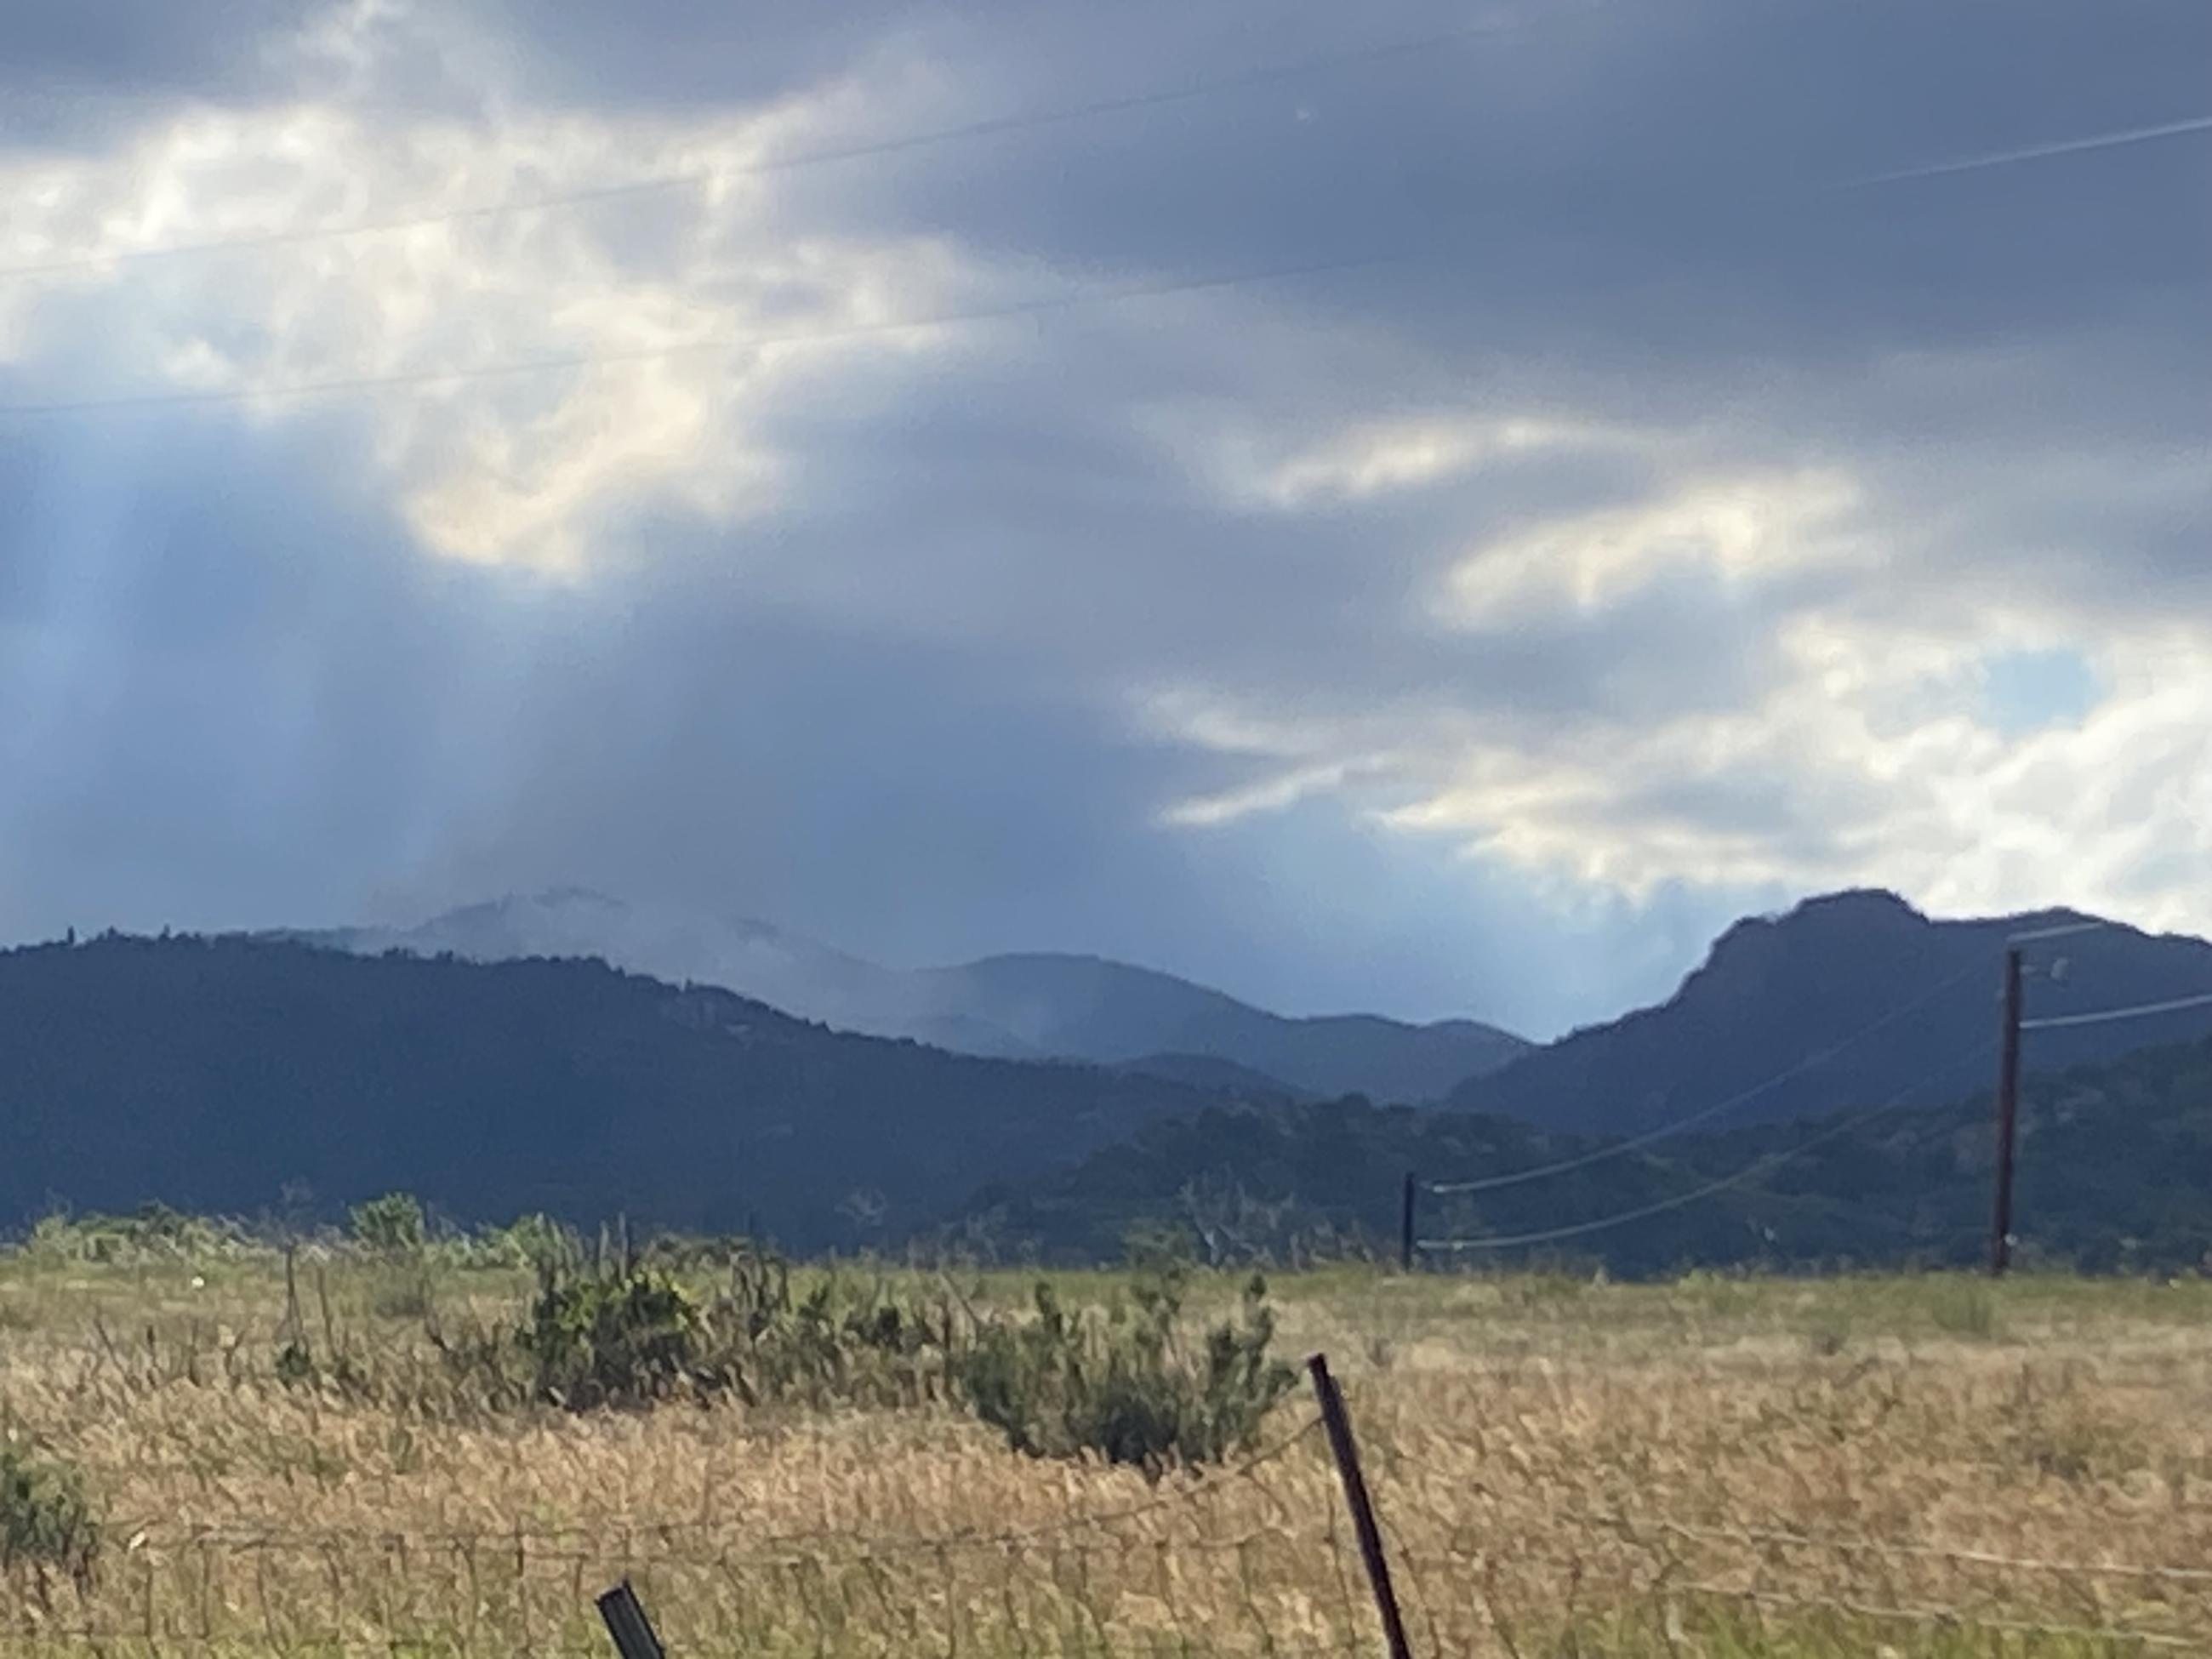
x: 996, y: 542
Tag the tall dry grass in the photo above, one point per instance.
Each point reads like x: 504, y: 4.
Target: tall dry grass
x: 1723, y: 1467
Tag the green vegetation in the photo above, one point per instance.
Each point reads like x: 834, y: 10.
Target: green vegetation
x: 233, y: 1075
x: 47, y: 1526
x: 217, y: 1074
x: 855, y: 1458
x: 2115, y: 1177
x: 1117, y: 1381
x: 392, y: 1225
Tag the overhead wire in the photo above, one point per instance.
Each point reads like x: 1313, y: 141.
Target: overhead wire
x: 1750, y: 1172
x: 2138, y: 1011
x: 695, y: 178
x: 1675, y: 1126
x: 2060, y: 930
x: 2003, y: 158
x: 882, y: 147
x: 719, y: 344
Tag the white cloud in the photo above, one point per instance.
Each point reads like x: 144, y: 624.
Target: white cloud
x: 1863, y: 753
x: 644, y: 311
x: 1673, y: 558
x: 1384, y: 456
x: 1736, y: 530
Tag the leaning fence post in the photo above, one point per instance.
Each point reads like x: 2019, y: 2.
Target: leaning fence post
x: 627, y: 1625
x: 1347, y: 1453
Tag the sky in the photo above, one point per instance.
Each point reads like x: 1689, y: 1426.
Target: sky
x: 1431, y: 508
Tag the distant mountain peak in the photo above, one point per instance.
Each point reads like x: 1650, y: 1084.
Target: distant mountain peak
x: 1847, y: 999
x: 1034, y: 1005
x: 586, y: 896
x: 1855, y: 904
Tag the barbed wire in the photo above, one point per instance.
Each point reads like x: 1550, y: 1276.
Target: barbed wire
x: 324, y: 1641
x: 1937, y: 1613
x: 1908, y: 1550
x: 282, y: 1531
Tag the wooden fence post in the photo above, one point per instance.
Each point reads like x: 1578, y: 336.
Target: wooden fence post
x: 627, y: 1625
x: 1342, y: 1447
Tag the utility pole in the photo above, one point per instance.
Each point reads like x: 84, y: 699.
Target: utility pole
x: 2007, y: 1117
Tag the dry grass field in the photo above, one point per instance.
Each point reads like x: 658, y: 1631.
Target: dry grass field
x: 1748, y: 1468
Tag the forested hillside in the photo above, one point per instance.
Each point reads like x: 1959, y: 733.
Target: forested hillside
x: 214, y: 1074
x: 2115, y: 1169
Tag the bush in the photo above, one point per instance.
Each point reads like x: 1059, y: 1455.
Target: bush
x: 392, y: 1226
x: 1119, y: 1385
x: 626, y: 1338
x: 154, y: 1232
x: 46, y: 1522
x: 528, y: 1241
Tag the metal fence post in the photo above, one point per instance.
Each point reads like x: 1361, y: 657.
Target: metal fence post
x: 627, y: 1625
x: 1345, y: 1450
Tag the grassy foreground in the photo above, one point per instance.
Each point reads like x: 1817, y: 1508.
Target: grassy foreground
x: 1738, y: 1467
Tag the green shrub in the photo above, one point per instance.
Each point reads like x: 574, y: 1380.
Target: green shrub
x: 392, y: 1225
x: 528, y: 1241
x: 620, y: 1339
x: 46, y: 1522
x: 1120, y: 1384
x: 154, y: 1232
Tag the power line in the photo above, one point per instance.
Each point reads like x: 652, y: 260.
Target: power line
x: 1620, y: 1148
x: 991, y: 127
x: 1750, y: 1172
x: 695, y: 178
x: 2062, y: 930
x: 2034, y: 152
x: 749, y: 342
x: 2139, y: 1011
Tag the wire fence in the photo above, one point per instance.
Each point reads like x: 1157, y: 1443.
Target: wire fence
x: 1260, y: 1559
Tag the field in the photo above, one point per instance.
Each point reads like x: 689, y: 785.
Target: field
x: 1755, y: 1469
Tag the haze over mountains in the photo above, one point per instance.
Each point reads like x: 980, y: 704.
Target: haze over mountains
x: 218, y: 1073
x: 1032, y: 1006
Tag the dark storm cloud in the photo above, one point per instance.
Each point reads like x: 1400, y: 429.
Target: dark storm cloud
x: 1657, y: 176
x: 663, y: 54
x: 903, y: 710
x: 74, y: 75
x: 257, y: 705
x: 150, y: 48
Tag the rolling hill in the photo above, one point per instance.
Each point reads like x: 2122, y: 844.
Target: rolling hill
x: 1850, y: 997
x: 212, y: 1074
x: 1033, y: 1007
x: 1105, y: 1011
x: 2115, y: 1172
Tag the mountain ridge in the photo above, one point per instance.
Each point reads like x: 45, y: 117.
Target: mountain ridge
x: 1896, y: 994
x: 1034, y: 1005
x: 212, y: 1073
